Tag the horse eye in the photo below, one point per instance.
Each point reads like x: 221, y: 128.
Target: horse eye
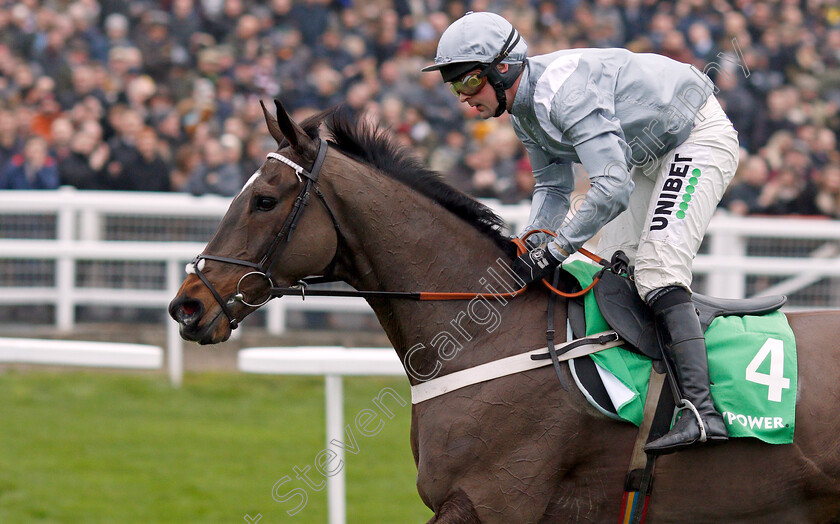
x: 265, y: 203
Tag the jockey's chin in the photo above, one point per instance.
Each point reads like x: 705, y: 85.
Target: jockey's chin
x: 485, y: 112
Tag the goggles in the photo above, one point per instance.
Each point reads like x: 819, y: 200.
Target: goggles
x: 469, y: 85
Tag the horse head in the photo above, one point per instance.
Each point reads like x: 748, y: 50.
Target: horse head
x: 274, y: 233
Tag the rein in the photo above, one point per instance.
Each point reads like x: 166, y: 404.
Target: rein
x: 301, y: 291
x: 281, y: 240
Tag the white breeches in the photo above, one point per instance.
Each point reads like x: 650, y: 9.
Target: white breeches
x: 673, y: 201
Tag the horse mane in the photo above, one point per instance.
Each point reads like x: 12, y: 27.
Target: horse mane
x: 364, y: 142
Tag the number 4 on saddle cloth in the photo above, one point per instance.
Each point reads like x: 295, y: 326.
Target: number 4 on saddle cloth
x: 751, y: 349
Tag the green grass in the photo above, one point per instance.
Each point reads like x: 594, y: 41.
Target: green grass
x: 79, y: 447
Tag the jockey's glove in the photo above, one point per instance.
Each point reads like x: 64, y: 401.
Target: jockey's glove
x: 537, y: 239
x: 537, y: 264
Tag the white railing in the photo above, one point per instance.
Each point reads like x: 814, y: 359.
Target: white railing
x: 728, y: 265
x: 80, y: 228
x: 80, y: 353
x: 81, y: 219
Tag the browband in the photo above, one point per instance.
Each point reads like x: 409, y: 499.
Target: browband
x: 316, y: 167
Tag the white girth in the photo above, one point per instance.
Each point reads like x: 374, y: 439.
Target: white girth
x: 503, y: 367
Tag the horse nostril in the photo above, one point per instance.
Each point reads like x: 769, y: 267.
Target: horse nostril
x: 188, y: 308
x: 187, y: 311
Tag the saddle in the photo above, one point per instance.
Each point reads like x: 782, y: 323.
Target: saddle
x: 625, y: 311
x: 630, y: 316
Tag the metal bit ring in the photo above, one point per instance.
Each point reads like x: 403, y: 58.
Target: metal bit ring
x: 240, y: 296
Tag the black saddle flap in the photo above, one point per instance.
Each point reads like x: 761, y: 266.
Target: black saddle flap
x: 626, y: 312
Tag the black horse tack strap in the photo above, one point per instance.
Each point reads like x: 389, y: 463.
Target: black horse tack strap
x: 549, y: 331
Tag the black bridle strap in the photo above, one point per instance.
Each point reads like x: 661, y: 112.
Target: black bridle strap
x: 283, y: 236
x: 233, y: 322
x: 227, y: 260
x: 301, y: 291
x: 503, y: 52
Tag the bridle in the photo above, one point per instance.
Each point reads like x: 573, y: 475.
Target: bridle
x: 281, y: 240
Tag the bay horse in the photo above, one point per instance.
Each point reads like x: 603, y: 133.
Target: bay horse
x: 518, y: 448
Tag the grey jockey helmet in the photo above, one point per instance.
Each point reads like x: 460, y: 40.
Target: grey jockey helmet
x: 481, y: 41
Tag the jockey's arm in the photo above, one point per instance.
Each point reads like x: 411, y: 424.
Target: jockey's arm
x: 554, y: 184
x: 608, y: 195
x: 585, y: 114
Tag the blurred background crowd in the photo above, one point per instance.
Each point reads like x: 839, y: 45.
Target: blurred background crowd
x: 164, y: 95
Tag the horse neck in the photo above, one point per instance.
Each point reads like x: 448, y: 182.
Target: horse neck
x: 404, y: 240
x: 400, y: 240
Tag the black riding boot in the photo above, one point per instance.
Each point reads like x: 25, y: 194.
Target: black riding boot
x: 686, y: 347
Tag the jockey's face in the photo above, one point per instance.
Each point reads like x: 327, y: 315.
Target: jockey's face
x: 484, y: 100
x: 483, y: 97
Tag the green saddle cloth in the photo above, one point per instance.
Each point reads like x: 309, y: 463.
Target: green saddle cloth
x: 752, y: 367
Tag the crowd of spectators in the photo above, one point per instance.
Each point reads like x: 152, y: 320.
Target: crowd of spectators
x: 164, y: 95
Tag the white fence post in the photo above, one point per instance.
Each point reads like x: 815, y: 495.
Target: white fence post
x: 727, y: 283
x: 65, y: 264
x: 174, y: 343
x: 336, y: 501
x: 276, y: 317
x: 90, y: 224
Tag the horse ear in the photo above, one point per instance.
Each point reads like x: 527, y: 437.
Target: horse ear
x: 297, y: 137
x: 284, y: 127
x: 273, y: 126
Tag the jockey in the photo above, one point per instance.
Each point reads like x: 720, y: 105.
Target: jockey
x: 659, y: 152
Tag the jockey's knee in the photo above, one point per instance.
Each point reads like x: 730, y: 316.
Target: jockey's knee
x: 650, y: 279
x: 662, y: 264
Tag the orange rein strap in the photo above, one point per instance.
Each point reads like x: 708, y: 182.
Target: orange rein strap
x: 585, y: 252
x: 521, y: 248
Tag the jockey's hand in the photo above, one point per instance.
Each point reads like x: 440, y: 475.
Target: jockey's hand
x: 536, y: 264
x: 535, y: 240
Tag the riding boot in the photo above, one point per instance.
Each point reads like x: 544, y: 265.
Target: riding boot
x: 685, y: 345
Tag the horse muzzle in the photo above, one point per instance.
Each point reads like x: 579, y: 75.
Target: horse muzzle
x: 190, y: 313
x: 186, y: 311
